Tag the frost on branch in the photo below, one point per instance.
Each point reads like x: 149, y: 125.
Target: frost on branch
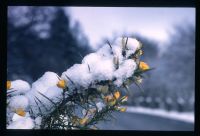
x: 83, y: 95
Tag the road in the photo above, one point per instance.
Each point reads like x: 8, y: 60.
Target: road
x: 136, y: 121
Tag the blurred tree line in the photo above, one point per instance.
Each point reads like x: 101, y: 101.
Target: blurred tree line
x: 171, y: 84
x: 41, y: 39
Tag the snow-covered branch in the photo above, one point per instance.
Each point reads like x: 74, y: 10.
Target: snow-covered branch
x: 83, y: 95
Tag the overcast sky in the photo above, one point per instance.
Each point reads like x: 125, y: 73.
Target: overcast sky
x: 154, y: 23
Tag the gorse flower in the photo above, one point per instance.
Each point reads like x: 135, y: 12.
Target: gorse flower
x: 117, y: 94
x: 143, y: 66
x: 62, y: 84
x: 17, y: 87
x: 110, y: 100
x: 20, y: 111
x: 8, y: 83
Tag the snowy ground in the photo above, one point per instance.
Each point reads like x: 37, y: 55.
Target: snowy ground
x: 138, y: 118
x: 181, y: 116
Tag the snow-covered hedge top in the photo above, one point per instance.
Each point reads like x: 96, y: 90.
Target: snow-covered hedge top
x: 112, y: 62
x: 100, y: 66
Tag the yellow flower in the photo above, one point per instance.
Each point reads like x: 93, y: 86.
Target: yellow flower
x: 122, y: 109
x: 8, y: 85
x: 20, y: 111
x: 110, y: 100
x: 143, y: 65
x: 83, y: 121
x: 117, y: 94
x: 61, y: 84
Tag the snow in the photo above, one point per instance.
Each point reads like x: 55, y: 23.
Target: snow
x: 20, y: 87
x: 100, y: 105
x: 18, y: 117
x: 23, y: 123
x: 54, y: 93
x: 125, y: 70
x: 79, y: 74
x: 47, y: 85
x: 91, y: 58
x: 99, y: 66
x: 102, y: 70
x: 38, y: 121
x: 18, y: 101
x: 182, y: 116
x: 132, y: 44
x: 49, y: 79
